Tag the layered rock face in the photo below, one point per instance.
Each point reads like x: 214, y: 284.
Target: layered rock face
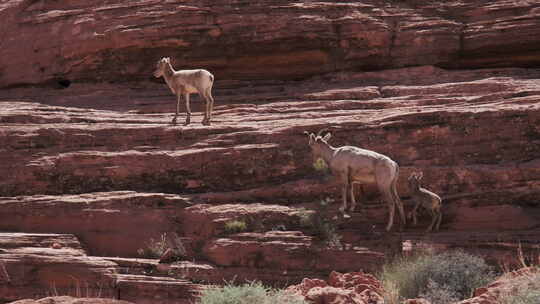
x: 88, y: 153
x: 61, y: 42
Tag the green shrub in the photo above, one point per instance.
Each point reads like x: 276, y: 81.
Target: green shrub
x: 441, y: 278
x: 525, y: 294
x: 249, y: 293
x: 321, y: 166
x: 321, y: 223
x: 235, y: 226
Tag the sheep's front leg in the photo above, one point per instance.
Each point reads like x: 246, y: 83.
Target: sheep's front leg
x: 188, y: 110
x: 178, y: 97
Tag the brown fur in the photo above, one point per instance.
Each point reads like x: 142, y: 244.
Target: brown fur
x: 185, y: 82
x: 354, y: 165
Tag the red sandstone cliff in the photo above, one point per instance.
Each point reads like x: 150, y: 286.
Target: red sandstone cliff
x: 451, y: 90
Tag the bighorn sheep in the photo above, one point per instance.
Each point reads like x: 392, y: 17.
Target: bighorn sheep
x: 186, y: 82
x: 354, y: 165
x: 429, y: 200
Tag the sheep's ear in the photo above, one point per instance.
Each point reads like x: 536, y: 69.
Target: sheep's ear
x: 327, y: 137
x: 311, y: 138
x: 420, y: 175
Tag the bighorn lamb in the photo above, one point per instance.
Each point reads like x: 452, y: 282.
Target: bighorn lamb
x: 354, y: 165
x: 186, y: 82
x: 429, y: 200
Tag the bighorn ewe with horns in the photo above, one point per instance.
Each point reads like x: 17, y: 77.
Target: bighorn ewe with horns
x: 355, y: 165
x: 429, y: 200
x: 185, y: 82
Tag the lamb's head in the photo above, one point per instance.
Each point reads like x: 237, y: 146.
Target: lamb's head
x: 414, y: 180
x: 317, y: 143
x: 161, y: 66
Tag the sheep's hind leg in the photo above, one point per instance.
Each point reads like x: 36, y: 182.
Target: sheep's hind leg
x: 206, y: 119
x: 344, y: 193
x: 209, y: 106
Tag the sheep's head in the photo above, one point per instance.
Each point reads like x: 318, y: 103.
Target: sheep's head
x: 317, y: 143
x: 414, y: 180
x: 161, y: 65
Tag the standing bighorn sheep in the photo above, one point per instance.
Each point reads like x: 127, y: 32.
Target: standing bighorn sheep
x: 354, y: 165
x: 186, y: 82
x: 429, y: 200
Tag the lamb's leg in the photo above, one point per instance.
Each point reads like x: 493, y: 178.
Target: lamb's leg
x: 188, y: 110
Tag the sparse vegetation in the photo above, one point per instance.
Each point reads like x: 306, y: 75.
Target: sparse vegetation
x: 321, y: 166
x: 248, y: 293
x: 321, y: 223
x: 528, y: 293
x: 525, y: 294
x: 441, y: 278
x: 155, y: 248
x: 235, y: 226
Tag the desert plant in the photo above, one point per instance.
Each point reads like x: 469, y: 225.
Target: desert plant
x: 235, y: 226
x: 321, y: 166
x: 248, y: 293
x: 322, y: 224
x: 304, y: 217
x: 528, y: 293
x: 440, y: 294
x: 441, y: 278
x: 155, y: 248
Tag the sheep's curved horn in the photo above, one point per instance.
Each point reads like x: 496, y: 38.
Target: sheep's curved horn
x: 321, y: 131
x: 310, y: 135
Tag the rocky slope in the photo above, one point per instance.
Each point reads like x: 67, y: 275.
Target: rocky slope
x: 93, y: 171
x: 117, y: 178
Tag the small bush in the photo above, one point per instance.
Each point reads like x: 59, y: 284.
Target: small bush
x: 441, y: 278
x: 235, y: 226
x: 249, y: 293
x: 320, y: 165
x: 156, y: 248
x: 321, y: 223
x: 525, y: 294
x: 436, y: 293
